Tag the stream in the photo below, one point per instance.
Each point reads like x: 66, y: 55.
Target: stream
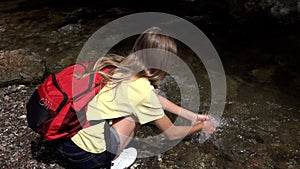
x: 259, y: 127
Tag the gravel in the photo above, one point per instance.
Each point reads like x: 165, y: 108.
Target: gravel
x: 20, y: 146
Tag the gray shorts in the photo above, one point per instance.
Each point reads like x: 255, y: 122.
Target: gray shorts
x: 114, y: 141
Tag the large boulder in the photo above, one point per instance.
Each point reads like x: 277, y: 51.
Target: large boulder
x: 21, y: 66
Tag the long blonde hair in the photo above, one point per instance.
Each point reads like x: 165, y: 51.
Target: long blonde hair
x: 135, y: 64
x: 154, y: 60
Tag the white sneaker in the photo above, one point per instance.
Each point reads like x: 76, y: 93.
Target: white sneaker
x: 125, y: 159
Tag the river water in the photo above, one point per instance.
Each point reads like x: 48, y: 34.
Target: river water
x: 260, y: 124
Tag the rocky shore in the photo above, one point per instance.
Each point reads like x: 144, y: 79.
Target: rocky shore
x: 19, y: 145
x: 258, y: 42
x: 257, y: 131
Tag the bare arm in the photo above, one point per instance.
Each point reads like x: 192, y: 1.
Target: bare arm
x: 179, y: 111
x: 176, y: 132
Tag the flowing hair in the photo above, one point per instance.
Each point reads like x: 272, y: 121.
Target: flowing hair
x: 110, y: 61
x: 154, y: 50
x: 142, y: 60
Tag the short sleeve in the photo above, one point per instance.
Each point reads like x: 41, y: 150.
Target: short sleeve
x: 149, y: 109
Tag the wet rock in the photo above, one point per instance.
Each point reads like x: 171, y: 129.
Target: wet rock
x: 118, y: 11
x: 283, y: 11
x: 20, y: 65
x: 233, y: 84
x: 264, y: 74
x: 70, y: 28
x: 79, y: 15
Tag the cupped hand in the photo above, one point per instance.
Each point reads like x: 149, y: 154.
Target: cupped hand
x: 200, y: 118
x: 209, y: 127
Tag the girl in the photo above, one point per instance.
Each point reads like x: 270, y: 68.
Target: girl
x: 127, y: 101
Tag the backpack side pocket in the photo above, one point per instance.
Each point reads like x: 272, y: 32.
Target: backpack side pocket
x: 36, y: 112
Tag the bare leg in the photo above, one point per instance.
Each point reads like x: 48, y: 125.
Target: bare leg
x: 126, y: 127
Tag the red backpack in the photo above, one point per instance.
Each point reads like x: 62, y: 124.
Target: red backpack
x: 57, y: 109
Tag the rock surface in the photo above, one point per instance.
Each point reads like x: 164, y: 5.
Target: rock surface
x: 20, y: 65
x: 260, y: 124
x: 283, y: 11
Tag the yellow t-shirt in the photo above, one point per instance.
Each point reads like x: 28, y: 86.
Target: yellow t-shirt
x: 135, y: 98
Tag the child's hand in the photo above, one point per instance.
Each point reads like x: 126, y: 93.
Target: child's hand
x: 200, y: 118
x: 208, y: 123
x: 209, y: 127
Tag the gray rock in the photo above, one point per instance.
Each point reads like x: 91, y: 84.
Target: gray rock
x: 284, y: 11
x: 20, y: 65
x: 70, y: 28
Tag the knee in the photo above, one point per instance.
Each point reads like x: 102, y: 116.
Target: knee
x: 126, y: 124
